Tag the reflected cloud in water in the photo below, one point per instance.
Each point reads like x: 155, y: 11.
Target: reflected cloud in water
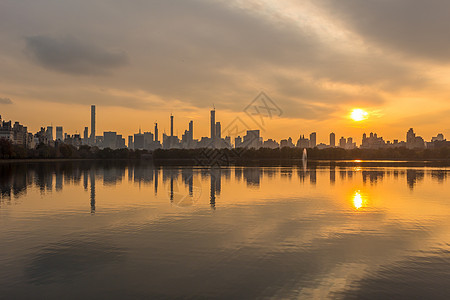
x: 331, y: 230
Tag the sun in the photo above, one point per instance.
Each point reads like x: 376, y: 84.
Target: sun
x: 358, y: 114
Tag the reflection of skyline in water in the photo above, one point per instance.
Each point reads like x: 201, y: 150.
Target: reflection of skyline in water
x: 48, y: 178
x: 267, y: 230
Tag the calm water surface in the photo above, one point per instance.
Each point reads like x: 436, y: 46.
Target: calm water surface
x: 117, y: 230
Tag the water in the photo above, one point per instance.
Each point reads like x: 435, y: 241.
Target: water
x: 116, y: 230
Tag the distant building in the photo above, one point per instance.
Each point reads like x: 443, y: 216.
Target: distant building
x: 438, y: 138
x: 49, y: 133
x: 372, y: 142
x: 312, y: 140
x: 272, y: 144
x: 252, y: 139
x: 413, y: 141
x: 93, y: 140
x: 59, y: 133
x: 287, y: 143
x: 238, y: 142
x: 213, y: 124
x: 113, y: 140
x: 302, y: 142
x: 332, y: 140
x: 342, y: 142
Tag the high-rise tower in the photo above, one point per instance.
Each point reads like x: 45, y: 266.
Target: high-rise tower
x: 171, y: 125
x: 93, y: 124
x: 156, y: 132
x: 213, y: 123
x: 191, y: 130
x: 332, y: 139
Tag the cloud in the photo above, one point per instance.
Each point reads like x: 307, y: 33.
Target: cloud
x: 415, y: 27
x: 5, y: 101
x: 72, y: 56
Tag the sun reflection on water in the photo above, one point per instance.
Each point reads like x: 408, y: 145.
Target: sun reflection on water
x: 358, y: 201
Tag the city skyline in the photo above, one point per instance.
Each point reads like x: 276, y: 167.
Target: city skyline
x: 233, y: 138
x: 317, y: 60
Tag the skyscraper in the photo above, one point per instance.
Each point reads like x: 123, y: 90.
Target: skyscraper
x: 59, y: 133
x: 213, y: 124
x: 86, y: 134
x: 312, y: 140
x: 218, y: 130
x: 156, y: 132
x: 92, y: 124
x: 130, y: 142
x: 171, y: 125
x: 191, y: 130
x: 332, y: 140
x: 49, y: 133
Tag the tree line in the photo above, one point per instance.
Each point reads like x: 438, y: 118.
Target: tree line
x: 218, y: 156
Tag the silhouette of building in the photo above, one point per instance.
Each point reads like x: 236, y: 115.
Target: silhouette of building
x: 213, y: 124
x: 302, y: 142
x: 312, y: 140
x: 59, y: 133
x: 372, y: 142
x: 93, y: 125
x: 413, y: 141
x: 49, y: 133
x: 332, y: 140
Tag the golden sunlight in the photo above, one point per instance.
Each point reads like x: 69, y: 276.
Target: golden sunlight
x: 357, y: 200
x: 358, y: 114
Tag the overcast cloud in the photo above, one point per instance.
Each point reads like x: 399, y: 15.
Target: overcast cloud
x: 315, y: 59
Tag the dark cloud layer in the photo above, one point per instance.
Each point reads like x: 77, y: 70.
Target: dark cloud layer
x: 417, y: 27
x: 70, y: 55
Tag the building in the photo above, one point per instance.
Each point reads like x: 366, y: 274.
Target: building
x: 312, y: 140
x: 413, y: 141
x: 59, y: 133
x: 342, y: 142
x: 238, y: 142
x: 372, y: 142
x: 130, y: 142
x: 272, y: 144
x: 49, y: 133
x: 438, y: 138
x: 252, y: 139
x: 139, y: 141
x: 302, y: 142
x: 113, y: 140
x: 171, y: 125
x: 218, y: 131
x: 93, y: 125
x: 213, y: 124
x: 332, y: 140
x: 287, y: 143
x: 86, y: 135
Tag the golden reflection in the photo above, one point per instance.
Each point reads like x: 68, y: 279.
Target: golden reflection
x: 358, y: 201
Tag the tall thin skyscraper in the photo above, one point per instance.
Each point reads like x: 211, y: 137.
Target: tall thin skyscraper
x: 218, y: 130
x: 93, y: 124
x: 213, y: 124
x: 191, y: 130
x: 85, y: 134
x: 171, y: 125
x: 156, y: 132
x: 332, y: 140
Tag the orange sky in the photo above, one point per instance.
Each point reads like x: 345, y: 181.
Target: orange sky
x: 139, y: 62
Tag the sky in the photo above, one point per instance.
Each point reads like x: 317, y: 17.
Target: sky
x: 139, y: 61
